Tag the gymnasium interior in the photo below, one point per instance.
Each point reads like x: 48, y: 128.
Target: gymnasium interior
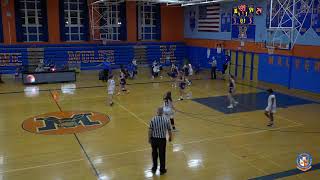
x: 56, y: 122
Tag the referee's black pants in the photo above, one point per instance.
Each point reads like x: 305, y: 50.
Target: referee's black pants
x: 159, y: 149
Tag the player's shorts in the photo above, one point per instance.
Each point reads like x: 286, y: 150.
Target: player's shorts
x: 172, y: 75
x: 169, y: 115
x: 182, y: 86
x: 272, y: 110
x: 123, y: 82
x: 110, y: 92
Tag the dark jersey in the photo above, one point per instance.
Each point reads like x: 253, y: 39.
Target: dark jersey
x: 122, y: 79
x: 186, y: 71
x: 182, y: 84
x: 231, y: 86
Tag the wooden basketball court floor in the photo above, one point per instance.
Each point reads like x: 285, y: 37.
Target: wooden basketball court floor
x: 209, y: 144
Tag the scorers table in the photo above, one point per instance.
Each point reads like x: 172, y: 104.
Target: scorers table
x: 48, y: 77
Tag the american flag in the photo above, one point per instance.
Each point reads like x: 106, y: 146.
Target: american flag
x: 209, y: 18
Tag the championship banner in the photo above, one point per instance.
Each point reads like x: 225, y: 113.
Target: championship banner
x: 304, y: 16
x: 226, y: 22
x: 315, y: 23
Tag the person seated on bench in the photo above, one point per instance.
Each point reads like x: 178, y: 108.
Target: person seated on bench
x: 134, y: 62
x: 106, y: 70
x: 156, y: 69
x: 131, y: 70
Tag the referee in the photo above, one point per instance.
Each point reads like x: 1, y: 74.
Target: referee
x: 158, y: 128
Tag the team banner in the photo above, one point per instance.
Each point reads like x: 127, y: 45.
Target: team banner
x: 226, y: 22
x: 315, y: 17
x: 304, y: 12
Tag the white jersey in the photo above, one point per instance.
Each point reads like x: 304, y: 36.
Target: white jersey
x: 134, y: 62
x: 272, y: 107
x: 156, y: 68
x: 190, y: 71
x: 168, y: 109
x: 111, y: 86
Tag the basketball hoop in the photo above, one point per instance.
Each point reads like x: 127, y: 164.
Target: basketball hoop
x: 270, y: 49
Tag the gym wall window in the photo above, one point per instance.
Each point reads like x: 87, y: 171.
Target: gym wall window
x: 31, y: 20
x: 149, y: 21
x: 74, y: 20
x: 113, y: 20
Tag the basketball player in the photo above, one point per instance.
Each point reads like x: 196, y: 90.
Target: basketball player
x: 185, y: 70
x: 131, y: 70
x: 135, y: 65
x: 155, y: 70
x: 182, y: 86
x: 271, y: 108
x: 123, y: 82
x: 232, y: 90
x: 190, y: 74
x: 173, y: 74
x: 106, y: 70
x: 124, y: 71
x: 225, y: 66
x: 111, y: 89
x: 168, y: 109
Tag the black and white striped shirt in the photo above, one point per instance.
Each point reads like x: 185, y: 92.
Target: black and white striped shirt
x: 159, y: 126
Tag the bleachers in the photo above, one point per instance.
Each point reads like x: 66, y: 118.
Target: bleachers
x: 89, y: 55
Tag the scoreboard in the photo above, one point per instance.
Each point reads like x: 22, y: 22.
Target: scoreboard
x: 244, y: 14
x: 243, y: 25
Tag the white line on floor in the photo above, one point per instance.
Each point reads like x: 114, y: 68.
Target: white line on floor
x: 139, y: 150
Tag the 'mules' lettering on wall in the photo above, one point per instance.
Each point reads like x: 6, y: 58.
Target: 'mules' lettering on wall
x: 10, y: 59
x: 90, y: 56
x: 168, y: 53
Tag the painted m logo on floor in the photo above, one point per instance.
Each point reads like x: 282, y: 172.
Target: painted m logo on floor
x: 53, y: 123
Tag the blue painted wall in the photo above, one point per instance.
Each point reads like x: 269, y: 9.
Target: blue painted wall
x: 198, y: 56
x: 273, y: 69
x: 306, y: 75
x: 287, y: 71
x: 292, y: 72
x: 309, y: 38
x: 89, y: 55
